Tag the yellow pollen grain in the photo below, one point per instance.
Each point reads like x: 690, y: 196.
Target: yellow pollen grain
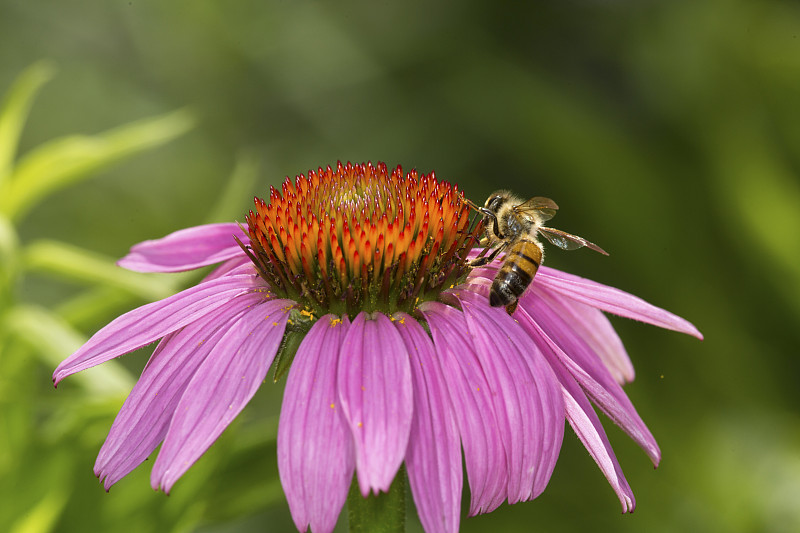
x: 308, y: 314
x: 363, y: 388
x: 360, y: 424
x: 336, y: 322
x: 333, y: 406
x: 274, y: 323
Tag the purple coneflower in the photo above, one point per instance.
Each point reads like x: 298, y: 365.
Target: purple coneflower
x: 357, y: 281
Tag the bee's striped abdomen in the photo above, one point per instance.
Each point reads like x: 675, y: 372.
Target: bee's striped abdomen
x: 521, y: 263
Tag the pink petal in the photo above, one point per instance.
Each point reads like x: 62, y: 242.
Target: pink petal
x: 611, y: 300
x: 544, y: 318
x: 186, y: 249
x: 600, y: 336
x: 590, y: 431
x: 579, y: 411
x: 374, y: 384
x: 527, y: 397
x: 433, y: 457
x: 230, y: 267
x: 316, y: 456
x: 221, y: 387
x: 155, y: 320
x: 470, y: 394
x: 143, y: 420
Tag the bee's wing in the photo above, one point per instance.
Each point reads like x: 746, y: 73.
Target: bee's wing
x: 545, y: 207
x: 568, y: 241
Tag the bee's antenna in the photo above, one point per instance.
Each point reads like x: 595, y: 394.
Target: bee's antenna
x: 472, y: 204
x: 482, y: 210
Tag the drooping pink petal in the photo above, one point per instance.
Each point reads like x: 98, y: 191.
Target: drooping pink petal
x: 508, y: 341
x: 587, y: 426
x: 433, y: 457
x: 481, y: 435
x: 221, y: 387
x: 316, y: 457
x: 374, y: 384
x: 143, y: 420
x: 611, y: 300
x: 155, y: 320
x: 527, y: 396
x: 543, y: 317
x: 597, y: 332
x: 186, y: 249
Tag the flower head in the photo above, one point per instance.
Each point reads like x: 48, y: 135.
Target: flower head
x: 358, y: 238
x: 360, y: 277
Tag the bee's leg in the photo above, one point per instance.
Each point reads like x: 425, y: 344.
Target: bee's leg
x: 480, y: 261
x: 510, y: 308
x: 490, y: 215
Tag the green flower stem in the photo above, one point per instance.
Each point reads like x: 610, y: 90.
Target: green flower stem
x: 385, y: 513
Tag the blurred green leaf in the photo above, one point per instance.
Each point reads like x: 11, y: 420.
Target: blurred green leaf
x: 240, y: 186
x: 39, y: 490
x: 14, y: 110
x: 71, y: 262
x: 53, y: 339
x: 760, y: 195
x: 84, y: 310
x: 767, y: 198
x: 8, y: 258
x: 43, y: 516
x: 61, y: 162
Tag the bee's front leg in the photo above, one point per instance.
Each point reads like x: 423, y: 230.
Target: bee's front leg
x: 489, y: 215
x: 480, y: 261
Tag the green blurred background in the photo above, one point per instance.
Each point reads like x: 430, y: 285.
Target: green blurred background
x: 667, y: 131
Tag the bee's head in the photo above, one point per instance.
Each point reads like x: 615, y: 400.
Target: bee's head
x: 496, y: 199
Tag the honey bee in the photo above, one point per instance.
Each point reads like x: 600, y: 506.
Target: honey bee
x: 512, y: 225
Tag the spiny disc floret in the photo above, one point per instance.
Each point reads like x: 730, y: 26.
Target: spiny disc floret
x: 357, y: 237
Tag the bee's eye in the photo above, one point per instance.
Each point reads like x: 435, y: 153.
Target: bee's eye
x: 494, y: 203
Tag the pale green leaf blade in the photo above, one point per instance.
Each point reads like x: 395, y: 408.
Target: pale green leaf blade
x: 94, y: 304
x: 71, y: 262
x: 14, y: 110
x: 9, y: 243
x: 68, y: 160
x: 240, y: 184
x: 42, y: 518
x: 54, y: 340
